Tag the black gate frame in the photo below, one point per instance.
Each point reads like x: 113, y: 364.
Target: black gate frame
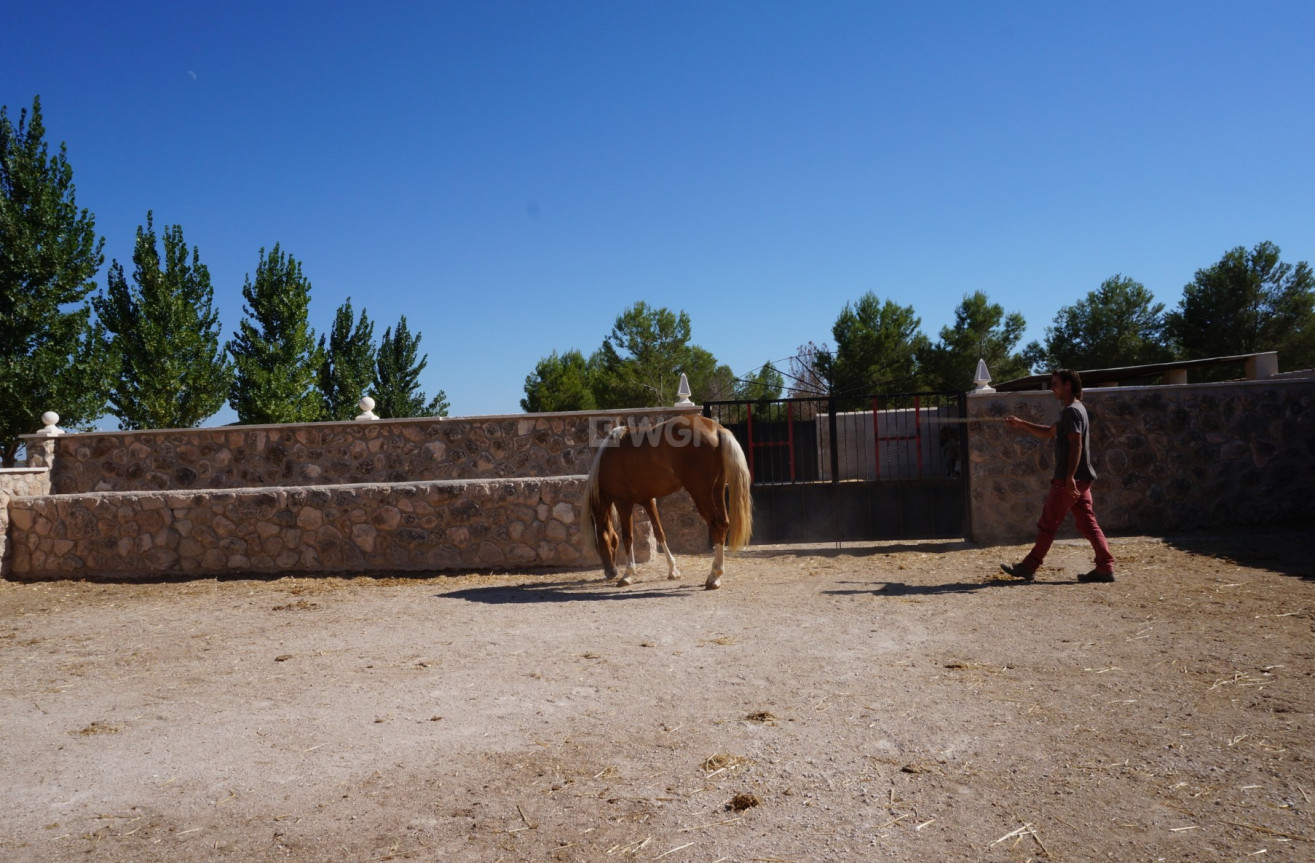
x: 807, y: 489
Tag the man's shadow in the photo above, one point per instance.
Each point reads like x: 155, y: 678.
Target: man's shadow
x: 899, y: 588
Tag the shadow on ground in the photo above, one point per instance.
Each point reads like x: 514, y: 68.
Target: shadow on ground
x: 584, y: 590
x: 1289, y: 549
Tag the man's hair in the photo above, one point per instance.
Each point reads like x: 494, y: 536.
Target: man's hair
x: 1071, y: 377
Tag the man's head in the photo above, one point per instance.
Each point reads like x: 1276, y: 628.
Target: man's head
x: 1066, y: 382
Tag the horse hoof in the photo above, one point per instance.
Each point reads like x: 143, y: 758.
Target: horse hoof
x: 673, y: 576
x: 625, y: 582
x: 712, y: 585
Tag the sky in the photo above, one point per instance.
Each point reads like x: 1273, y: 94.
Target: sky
x: 511, y: 176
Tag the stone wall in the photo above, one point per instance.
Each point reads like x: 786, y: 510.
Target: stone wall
x: 1168, y: 459
x: 311, y: 529
x: 17, y: 482
x: 305, y: 454
x: 388, y: 495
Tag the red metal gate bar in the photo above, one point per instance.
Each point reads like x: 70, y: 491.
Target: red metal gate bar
x: 753, y: 444
x: 916, y: 436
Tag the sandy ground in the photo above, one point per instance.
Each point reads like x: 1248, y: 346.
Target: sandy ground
x: 892, y: 702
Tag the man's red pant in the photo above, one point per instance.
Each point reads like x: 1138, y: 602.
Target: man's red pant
x: 1058, y: 505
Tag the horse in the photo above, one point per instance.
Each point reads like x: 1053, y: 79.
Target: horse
x: 636, y: 466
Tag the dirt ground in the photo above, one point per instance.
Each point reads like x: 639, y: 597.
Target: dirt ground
x: 885, y: 702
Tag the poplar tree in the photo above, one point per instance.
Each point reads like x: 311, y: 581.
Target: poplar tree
x: 166, y: 336
x: 52, y: 357
x: 274, y: 352
x: 347, y: 368
x: 397, y: 377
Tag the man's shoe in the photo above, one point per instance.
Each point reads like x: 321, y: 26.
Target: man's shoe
x: 1017, y: 570
x: 1096, y: 576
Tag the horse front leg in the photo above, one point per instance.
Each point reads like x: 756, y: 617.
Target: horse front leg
x: 650, y: 507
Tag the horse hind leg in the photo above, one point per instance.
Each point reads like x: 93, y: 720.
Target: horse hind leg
x: 628, y: 542
x: 650, y: 507
x: 714, y: 513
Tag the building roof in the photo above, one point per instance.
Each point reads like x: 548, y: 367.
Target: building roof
x: 1130, y: 375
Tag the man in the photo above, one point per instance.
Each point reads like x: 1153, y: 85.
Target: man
x: 1070, y: 490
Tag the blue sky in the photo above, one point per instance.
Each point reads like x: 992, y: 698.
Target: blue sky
x: 512, y: 175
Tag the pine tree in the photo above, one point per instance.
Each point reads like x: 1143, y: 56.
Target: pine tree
x: 347, y: 369
x: 52, y: 357
x: 397, y: 377
x: 166, y: 336
x: 274, y: 351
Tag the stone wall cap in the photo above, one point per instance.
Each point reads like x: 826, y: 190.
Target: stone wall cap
x: 238, y: 491
x: 353, y: 424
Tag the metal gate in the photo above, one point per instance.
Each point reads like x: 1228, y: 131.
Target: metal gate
x: 886, y: 466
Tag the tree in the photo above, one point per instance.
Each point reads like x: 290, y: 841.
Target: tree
x: 877, y: 346
x: 165, y: 336
x: 560, y: 383
x: 981, y: 331
x: 52, y: 357
x: 347, y: 365
x: 1118, y: 324
x: 274, y: 349
x: 397, y: 377
x: 764, y: 385
x: 709, y: 380
x: 640, y: 362
x: 1246, y: 303
x: 806, y: 378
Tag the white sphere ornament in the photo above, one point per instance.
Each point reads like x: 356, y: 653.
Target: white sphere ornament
x: 367, y: 409
x: 51, y: 422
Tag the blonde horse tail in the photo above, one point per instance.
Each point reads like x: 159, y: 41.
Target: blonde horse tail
x: 591, y: 503
x: 736, y: 468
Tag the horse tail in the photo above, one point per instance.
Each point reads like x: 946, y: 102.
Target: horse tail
x: 736, y: 469
x: 594, y: 492
x: 591, y: 500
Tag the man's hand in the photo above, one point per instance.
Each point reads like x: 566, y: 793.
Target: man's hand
x: 1072, y: 485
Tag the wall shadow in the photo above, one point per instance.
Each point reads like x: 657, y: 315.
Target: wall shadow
x: 1288, y: 549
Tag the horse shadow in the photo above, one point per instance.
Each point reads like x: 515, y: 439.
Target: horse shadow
x: 583, y: 590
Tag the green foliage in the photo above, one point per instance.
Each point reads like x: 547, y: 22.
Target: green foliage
x: 347, y: 368
x: 1118, y: 324
x: 274, y: 349
x: 638, y: 365
x: 981, y: 331
x: 1247, y: 302
x: 165, y: 335
x: 640, y: 362
x: 764, y: 385
x: 709, y: 380
x: 51, y: 355
x: 560, y: 383
x: 877, y: 345
x: 397, y: 377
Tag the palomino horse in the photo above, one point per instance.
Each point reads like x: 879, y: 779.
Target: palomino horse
x: 640, y: 465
